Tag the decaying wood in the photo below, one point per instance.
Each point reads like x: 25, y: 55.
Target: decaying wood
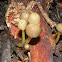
x: 42, y: 50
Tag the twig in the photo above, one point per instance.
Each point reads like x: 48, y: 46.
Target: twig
x: 58, y: 13
x: 21, y: 55
x: 19, y: 52
x: 49, y: 21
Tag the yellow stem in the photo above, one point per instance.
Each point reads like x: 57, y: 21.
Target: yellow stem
x: 23, y: 39
x: 23, y: 36
x: 28, y: 40
x: 58, y: 36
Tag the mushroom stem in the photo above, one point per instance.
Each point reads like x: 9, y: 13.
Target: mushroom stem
x: 23, y: 36
x: 23, y: 39
x: 58, y: 36
x: 26, y: 45
x: 28, y: 40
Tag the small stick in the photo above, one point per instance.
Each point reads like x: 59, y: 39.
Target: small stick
x: 52, y: 24
x: 19, y: 54
x: 58, y: 13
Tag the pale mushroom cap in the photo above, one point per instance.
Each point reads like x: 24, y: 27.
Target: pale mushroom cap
x: 34, y: 18
x: 33, y: 30
x: 24, y: 15
x: 22, y: 24
x: 59, y: 27
x: 26, y: 46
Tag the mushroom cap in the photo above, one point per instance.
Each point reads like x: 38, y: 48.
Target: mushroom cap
x: 22, y: 24
x: 33, y: 30
x: 26, y: 46
x: 34, y: 18
x: 24, y: 16
x: 59, y: 27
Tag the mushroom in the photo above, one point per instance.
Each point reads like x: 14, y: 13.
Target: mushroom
x: 26, y: 47
x: 24, y: 16
x: 59, y: 29
x: 34, y: 18
x: 22, y: 25
x: 33, y: 31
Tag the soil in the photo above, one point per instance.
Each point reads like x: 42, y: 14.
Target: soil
x: 53, y: 15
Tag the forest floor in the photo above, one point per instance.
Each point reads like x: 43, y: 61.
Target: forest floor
x: 55, y: 14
